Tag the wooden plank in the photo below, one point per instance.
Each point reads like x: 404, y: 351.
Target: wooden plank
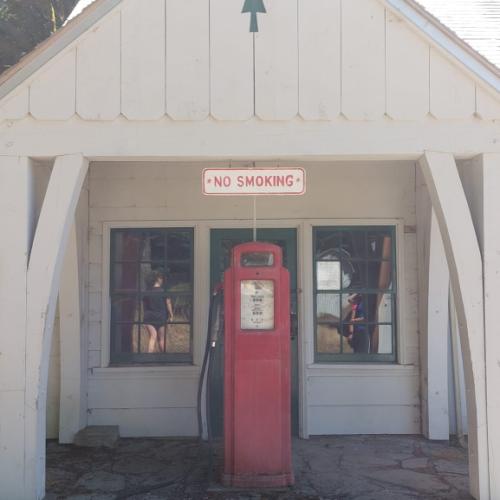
x: 15, y: 106
x: 319, y: 59
x: 165, y: 390
x: 487, y: 106
x: 188, y: 59
x: 363, y: 59
x: 407, y: 71
x: 400, y: 419
x: 452, y: 92
x: 276, y: 62
x: 231, y: 62
x: 98, y: 72
x: 143, y: 59
x: 52, y: 93
x: 150, y: 422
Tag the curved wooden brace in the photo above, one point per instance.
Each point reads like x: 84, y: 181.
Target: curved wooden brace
x: 466, y: 274
x: 44, y: 270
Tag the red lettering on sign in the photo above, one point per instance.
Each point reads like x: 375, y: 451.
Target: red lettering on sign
x: 240, y: 181
x: 289, y: 180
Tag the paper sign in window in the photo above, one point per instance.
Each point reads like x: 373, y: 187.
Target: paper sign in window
x: 257, y: 305
x: 328, y: 275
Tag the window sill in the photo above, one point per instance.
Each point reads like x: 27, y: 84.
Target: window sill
x: 138, y: 371
x: 361, y: 370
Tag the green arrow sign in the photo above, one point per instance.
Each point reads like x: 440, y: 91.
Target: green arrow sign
x: 254, y: 6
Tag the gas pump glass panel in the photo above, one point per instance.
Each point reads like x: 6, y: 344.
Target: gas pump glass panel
x: 257, y: 305
x: 151, y: 295
x: 257, y: 259
x: 355, y: 293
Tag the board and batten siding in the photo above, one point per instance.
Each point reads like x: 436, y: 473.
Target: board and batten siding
x: 160, y: 401
x: 319, y: 60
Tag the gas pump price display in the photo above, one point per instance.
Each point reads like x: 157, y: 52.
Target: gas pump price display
x: 257, y: 305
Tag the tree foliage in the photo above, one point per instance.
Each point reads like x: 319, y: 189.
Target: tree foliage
x: 26, y: 23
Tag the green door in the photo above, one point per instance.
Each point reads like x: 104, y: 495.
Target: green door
x: 221, y: 243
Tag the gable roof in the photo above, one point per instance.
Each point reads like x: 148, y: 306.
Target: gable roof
x: 88, y: 12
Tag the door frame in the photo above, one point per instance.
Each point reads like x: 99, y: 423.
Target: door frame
x: 205, y: 228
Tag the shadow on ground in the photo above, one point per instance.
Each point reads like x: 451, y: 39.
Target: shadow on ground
x: 333, y: 467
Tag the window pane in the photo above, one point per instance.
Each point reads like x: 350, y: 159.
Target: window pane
x: 124, y: 308
x: 382, y: 339
x: 328, y: 339
x: 151, y: 291
x: 379, y: 245
x: 358, y: 270
x: 328, y: 275
x: 328, y: 307
x: 378, y: 307
x: 328, y: 245
x: 126, y: 244
x: 179, y: 277
x: 182, y: 307
x: 379, y: 275
x: 179, y: 246
x: 124, y: 277
x: 354, y: 243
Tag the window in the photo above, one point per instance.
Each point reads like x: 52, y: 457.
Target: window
x: 151, y: 294
x: 354, y: 293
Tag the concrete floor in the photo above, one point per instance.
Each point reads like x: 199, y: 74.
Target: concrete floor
x: 333, y: 467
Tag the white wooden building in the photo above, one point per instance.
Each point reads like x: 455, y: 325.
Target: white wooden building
x: 104, y: 132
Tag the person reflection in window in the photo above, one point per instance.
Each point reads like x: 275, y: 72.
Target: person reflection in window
x: 157, y: 311
x: 358, y: 337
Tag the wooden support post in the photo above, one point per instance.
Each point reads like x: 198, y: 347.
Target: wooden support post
x: 44, y: 270
x: 491, y: 258
x: 70, y: 415
x: 466, y: 274
x: 17, y: 215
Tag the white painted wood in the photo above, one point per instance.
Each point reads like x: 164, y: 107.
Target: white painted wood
x: 363, y: 59
x: 152, y: 422
x: 295, y: 140
x: 142, y: 391
x: 369, y: 388
x: 231, y: 62
x: 44, y: 270
x: 52, y: 93
x: 437, y: 336
x: 319, y: 59
x: 188, y: 59
x: 17, y: 212
x: 407, y: 60
x: 70, y: 341
x: 54, y: 384
x: 487, y: 106
x: 452, y: 92
x: 143, y: 59
x: 372, y: 420
x: 490, y: 246
x: 16, y: 106
x: 465, y: 265
x: 98, y: 71
x: 276, y: 62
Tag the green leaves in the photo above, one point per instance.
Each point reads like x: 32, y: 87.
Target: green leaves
x: 254, y: 6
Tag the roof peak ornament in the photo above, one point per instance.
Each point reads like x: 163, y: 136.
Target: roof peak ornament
x: 254, y: 7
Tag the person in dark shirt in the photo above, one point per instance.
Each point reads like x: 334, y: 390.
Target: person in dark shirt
x: 157, y: 311
x: 358, y: 336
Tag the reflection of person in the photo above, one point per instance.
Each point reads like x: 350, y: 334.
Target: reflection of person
x: 157, y: 311
x: 358, y: 336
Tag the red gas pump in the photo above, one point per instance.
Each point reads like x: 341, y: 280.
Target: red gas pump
x: 257, y: 428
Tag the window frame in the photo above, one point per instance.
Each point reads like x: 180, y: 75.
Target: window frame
x: 142, y: 359
x: 349, y: 358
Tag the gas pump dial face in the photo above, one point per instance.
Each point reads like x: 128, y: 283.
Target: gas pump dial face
x: 257, y: 305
